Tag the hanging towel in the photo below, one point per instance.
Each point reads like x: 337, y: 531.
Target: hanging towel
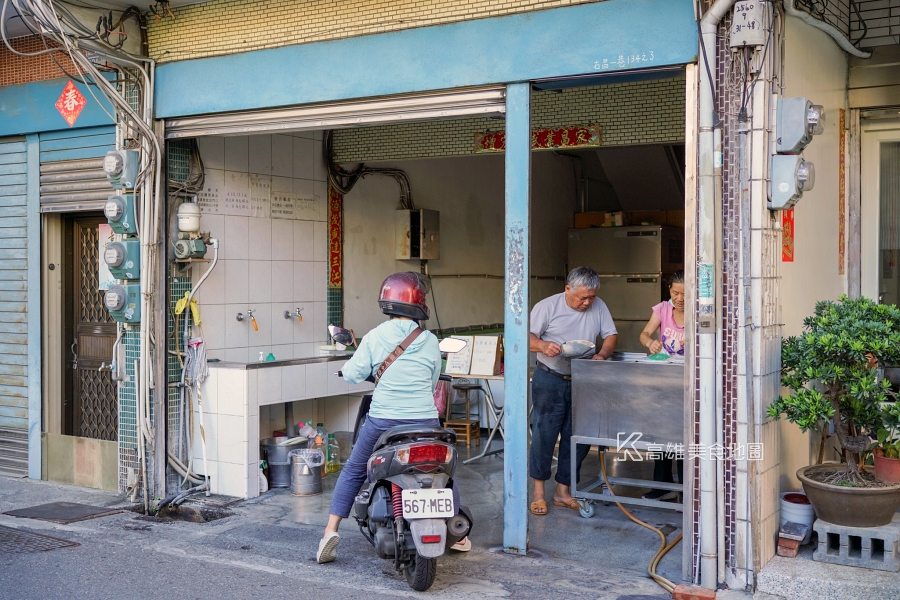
x: 195, y: 309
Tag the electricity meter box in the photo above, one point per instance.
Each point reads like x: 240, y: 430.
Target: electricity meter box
x: 790, y: 177
x: 797, y: 121
x: 124, y: 302
x: 121, y: 168
x: 124, y: 258
x: 418, y: 234
x: 119, y: 211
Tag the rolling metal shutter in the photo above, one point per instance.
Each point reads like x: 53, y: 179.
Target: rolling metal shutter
x: 72, y: 177
x: 13, y: 315
x: 484, y: 102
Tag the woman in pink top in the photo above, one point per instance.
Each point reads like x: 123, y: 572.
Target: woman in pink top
x: 668, y: 318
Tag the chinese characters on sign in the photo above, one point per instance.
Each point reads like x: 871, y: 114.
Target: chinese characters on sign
x: 243, y: 195
x: 260, y: 196
x: 70, y: 103
x: 335, y: 237
x: 787, y: 235
x: 542, y: 139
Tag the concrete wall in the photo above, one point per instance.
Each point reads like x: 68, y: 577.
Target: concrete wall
x: 817, y: 69
x: 268, y: 265
x: 468, y: 191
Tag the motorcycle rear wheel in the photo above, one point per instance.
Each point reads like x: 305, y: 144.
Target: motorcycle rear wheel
x: 421, y: 573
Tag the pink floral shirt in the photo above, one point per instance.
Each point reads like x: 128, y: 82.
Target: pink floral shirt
x: 670, y: 334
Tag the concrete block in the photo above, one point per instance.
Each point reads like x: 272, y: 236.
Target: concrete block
x: 867, y: 547
x: 690, y: 592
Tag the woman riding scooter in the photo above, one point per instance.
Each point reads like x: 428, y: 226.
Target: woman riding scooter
x: 404, y: 394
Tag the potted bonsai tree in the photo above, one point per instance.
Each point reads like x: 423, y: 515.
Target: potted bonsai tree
x: 831, y: 373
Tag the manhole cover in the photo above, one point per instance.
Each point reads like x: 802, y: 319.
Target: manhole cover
x: 62, y: 512
x: 18, y: 541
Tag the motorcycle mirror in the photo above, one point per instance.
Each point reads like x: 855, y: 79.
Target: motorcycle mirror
x: 341, y: 336
x: 451, y: 345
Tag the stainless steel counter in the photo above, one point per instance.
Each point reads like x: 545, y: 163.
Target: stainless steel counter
x: 279, y: 363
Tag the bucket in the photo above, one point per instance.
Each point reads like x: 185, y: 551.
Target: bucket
x: 795, y: 508
x: 277, y: 458
x: 306, y: 472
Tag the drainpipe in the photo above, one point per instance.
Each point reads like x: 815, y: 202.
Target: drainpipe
x: 710, y: 170
x: 838, y: 37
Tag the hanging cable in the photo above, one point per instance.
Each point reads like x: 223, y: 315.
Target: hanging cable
x: 343, y: 181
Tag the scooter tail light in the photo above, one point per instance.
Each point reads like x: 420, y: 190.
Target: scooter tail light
x: 431, y: 539
x: 425, y: 453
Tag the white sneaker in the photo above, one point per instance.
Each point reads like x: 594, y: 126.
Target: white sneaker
x: 463, y: 545
x: 328, y: 548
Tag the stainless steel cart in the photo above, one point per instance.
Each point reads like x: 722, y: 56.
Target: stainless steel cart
x: 630, y: 404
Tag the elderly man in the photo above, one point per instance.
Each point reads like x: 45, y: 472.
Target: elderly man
x: 576, y: 314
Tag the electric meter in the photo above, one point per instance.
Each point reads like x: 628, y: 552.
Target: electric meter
x: 124, y: 258
x: 798, y: 120
x: 124, y: 302
x: 121, y: 167
x: 791, y: 176
x: 119, y: 211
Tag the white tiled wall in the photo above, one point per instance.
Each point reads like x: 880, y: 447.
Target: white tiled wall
x: 267, y: 265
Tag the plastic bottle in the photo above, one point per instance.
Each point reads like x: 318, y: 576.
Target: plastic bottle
x: 263, y: 482
x: 320, y: 430
x: 333, y: 458
x: 320, y: 445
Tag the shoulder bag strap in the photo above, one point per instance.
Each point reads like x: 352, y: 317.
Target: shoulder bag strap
x: 396, y: 353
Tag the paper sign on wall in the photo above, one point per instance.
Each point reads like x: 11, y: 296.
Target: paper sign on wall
x: 260, y: 195
x: 458, y: 363
x: 485, y: 355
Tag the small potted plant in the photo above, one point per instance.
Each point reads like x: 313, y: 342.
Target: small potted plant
x: 831, y: 373
x: 887, y: 448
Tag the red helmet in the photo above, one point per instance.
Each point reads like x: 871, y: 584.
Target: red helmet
x: 403, y: 295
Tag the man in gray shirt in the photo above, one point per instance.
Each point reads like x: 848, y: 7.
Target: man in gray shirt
x: 576, y: 314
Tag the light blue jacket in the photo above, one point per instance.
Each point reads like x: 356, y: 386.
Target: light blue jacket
x: 406, y: 390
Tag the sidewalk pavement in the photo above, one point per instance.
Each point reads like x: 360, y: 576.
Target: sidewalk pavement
x: 267, y: 549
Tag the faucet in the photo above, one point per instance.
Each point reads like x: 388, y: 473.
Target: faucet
x: 297, y: 313
x: 252, y: 319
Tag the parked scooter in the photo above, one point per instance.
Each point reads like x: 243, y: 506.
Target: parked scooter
x: 406, y: 507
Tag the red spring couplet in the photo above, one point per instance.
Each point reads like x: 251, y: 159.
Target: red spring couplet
x: 397, y: 500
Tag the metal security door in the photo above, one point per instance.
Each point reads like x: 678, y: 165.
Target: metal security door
x: 95, y: 407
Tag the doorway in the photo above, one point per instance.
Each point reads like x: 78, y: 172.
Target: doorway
x: 82, y: 417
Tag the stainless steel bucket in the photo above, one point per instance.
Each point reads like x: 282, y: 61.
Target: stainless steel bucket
x: 306, y: 472
x: 278, y: 460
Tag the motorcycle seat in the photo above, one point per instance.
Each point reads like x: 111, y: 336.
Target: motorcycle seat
x: 412, y: 433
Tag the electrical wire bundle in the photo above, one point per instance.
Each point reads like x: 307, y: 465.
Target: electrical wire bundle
x: 57, y: 26
x: 343, y: 181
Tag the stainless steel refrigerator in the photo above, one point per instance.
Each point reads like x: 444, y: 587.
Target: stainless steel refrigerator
x: 634, y: 264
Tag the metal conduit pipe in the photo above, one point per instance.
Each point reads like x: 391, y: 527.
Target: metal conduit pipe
x: 838, y: 37
x: 710, y: 161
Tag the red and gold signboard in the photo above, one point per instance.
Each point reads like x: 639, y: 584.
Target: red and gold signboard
x: 335, y: 237
x: 542, y: 139
x: 787, y: 235
x: 70, y: 104
x: 842, y: 211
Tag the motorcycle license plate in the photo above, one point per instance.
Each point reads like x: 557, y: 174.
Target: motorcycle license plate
x: 427, y: 504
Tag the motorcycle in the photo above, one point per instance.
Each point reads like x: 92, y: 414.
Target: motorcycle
x: 406, y: 507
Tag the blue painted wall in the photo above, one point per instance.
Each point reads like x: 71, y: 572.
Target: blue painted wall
x: 607, y: 36
x: 30, y: 108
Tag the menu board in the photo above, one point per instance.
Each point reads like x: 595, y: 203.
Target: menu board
x: 458, y: 363
x: 485, y: 355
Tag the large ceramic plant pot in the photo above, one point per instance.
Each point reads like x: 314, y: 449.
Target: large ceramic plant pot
x: 848, y: 506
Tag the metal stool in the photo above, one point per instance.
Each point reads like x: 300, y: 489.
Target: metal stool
x: 466, y: 428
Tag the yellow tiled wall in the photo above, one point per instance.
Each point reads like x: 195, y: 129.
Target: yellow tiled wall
x: 646, y: 112
x: 229, y: 26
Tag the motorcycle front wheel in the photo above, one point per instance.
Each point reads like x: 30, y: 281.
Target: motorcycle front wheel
x: 421, y: 572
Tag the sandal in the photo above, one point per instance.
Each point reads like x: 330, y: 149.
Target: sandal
x: 570, y: 503
x: 539, y: 507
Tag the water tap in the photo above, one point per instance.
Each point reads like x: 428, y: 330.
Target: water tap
x: 297, y: 313
x: 252, y: 319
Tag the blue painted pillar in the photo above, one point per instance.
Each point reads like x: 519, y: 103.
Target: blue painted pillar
x: 515, y: 317
x: 33, y: 303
